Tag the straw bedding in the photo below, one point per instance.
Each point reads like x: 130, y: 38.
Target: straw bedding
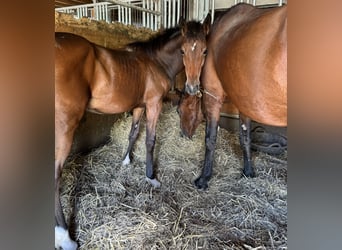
x: 112, y: 206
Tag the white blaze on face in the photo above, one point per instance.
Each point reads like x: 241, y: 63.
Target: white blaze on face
x: 193, y: 46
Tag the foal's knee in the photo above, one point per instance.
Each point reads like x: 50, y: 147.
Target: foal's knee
x: 150, y: 143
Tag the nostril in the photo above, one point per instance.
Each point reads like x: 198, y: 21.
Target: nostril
x: 192, y: 89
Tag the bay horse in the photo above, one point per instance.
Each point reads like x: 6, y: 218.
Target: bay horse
x: 247, y: 65
x: 92, y: 78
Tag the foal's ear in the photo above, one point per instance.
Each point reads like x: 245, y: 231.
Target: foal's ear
x: 207, y: 24
x: 182, y: 25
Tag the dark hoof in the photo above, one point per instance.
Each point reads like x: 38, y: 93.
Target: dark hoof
x: 201, y: 183
x: 249, y: 173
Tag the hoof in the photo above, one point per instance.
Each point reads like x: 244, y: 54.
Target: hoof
x: 126, y: 161
x: 249, y: 173
x: 62, y: 239
x: 201, y: 183
x: 153, y: 182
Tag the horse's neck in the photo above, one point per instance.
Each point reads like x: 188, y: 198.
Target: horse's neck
x: 170, y: 58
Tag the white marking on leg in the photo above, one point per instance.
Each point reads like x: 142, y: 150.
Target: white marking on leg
x: 153, y: 182
x: 126, y: 161
x: 62, y: 239
x: 244, y: 126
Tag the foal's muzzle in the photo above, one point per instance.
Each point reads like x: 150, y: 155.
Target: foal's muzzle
x: 192, y: 89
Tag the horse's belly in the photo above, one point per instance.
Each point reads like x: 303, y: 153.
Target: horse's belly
x: 110, y: 105
x: 272, y: 119
x: 273, y: 114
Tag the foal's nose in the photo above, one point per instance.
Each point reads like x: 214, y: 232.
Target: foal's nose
x: 191, y: 89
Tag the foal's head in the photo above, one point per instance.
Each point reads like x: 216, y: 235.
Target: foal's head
x: 194, y: 50
x: 190, y: 113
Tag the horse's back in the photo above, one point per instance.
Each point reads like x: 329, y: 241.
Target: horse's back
x: 251, y: 63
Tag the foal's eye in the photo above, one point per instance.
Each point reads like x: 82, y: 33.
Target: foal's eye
x: 182, y: 52
x: 205, y: 52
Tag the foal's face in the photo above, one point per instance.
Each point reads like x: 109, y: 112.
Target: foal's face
x: 194, y: 51
x: 190, y: 113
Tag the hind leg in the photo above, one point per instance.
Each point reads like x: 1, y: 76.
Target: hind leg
x: 62, y: 237
x: 133, y: 134
x: 245, y: 143
x: 64, y: 132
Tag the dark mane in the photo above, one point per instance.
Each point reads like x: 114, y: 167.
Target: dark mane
x: 156, y: 41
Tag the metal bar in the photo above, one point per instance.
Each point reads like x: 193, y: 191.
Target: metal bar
x: 206, y: 9
x: 106, y: 12
x: 148, y: 14
x: 132, y: 6
x: 197, y: 10
x: 156, y: 18
x: 129, y: 14
x: 144, y: 13
x: 179, y: 4
x: 150, y: 11
x: 169, y: 14
x: 173, y: 12
x: 212, y: 10
x: 79, y: 6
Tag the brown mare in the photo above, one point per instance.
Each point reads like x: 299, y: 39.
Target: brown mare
x: 247, y: 64
x: 97, y: 79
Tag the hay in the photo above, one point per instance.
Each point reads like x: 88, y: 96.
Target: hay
x: 116, y: 209
x: 110, y: 35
